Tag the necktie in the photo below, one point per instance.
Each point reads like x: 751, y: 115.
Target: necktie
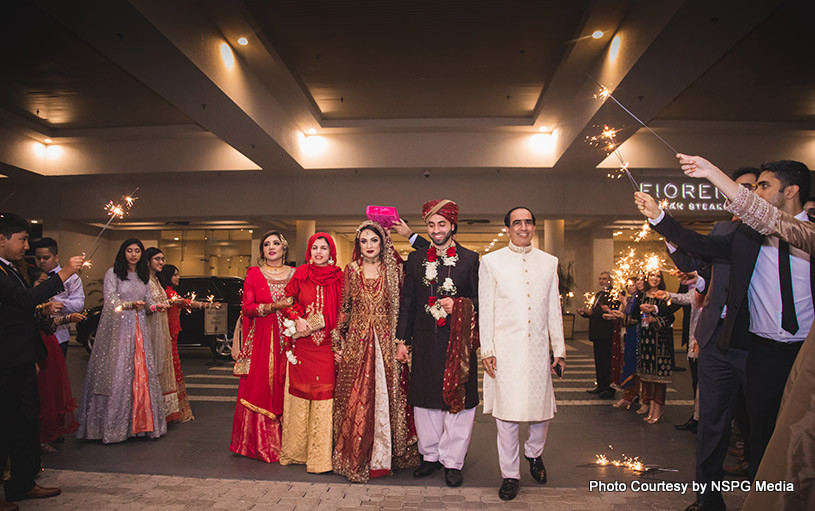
x: 789, y: 321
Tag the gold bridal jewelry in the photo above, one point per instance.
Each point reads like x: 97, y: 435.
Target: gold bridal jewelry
x: 370, y: 260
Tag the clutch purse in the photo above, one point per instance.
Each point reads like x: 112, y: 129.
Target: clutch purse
x: 385, y: 216
x: 316, y: 321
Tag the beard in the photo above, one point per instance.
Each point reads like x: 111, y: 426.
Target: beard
x: 443, y: 241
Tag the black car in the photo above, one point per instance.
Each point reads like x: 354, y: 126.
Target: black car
x: 227, y: 290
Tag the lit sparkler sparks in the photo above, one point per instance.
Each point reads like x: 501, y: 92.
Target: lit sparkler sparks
x: 115, y: 210
x: 643, y: 233
x: 627, y: 462
x: 589, y: 298
x: 604, y: 93
x: 608, y: 135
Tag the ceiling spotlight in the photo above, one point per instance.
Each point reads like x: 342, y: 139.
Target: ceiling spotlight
x: 243, y: 41
x: 175, y: 239
x: 500, y: 234
x: 597, y: 34
x: 47, y: 140
x: 312, y: 131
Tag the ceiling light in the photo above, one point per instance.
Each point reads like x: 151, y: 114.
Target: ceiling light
x: 494, y: 240
x: 47, y: 141
x: 176, y: 239
x: 312, y: 131
x: 503, y: 229
x: 34, y: 222
x: 243, y: 41
x: 597, y: 34
x: 500, y: 234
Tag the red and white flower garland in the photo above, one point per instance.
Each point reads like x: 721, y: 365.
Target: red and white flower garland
x: 431, y: 273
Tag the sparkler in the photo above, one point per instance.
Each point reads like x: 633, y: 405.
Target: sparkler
x: 114, y: 210
x: 605, y: 93
x: 608, y: 134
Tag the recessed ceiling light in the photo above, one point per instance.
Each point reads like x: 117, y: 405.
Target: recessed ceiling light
x: 312, y: 131
x: 176, y: 239
x: 47, y: 141
x: 597, y: 34
x: 243, y: 41
x: 34, y: 222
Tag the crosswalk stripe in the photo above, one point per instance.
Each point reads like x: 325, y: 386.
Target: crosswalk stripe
x: 210, y: 386
x: 607, y: 402
x: 212, y: 376
x: 220, y: 368
x: 568, y: 391
x: 214, y: 398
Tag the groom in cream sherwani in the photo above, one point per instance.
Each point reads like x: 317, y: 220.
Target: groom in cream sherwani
x: 520, y: 319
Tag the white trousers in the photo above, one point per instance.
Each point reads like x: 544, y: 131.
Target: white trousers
x: 508, y: 449
x: 444, y: 436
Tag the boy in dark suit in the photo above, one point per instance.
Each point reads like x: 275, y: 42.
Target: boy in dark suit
x: 22, y: 347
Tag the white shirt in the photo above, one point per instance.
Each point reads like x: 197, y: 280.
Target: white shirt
x: 765, y: 292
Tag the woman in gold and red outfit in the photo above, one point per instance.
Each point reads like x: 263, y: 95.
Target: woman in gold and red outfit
x: 372, y: 426
x: 260, y: 362
x: 316, y: 290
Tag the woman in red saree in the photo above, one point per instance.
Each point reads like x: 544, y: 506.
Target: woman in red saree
x: 259, y: 361
x: 316, y: 291
x: 373, y: 430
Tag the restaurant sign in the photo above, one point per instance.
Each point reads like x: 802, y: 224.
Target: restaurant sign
x: 690, y: 196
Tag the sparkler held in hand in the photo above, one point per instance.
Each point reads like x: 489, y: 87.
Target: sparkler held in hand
x: 114, y: 210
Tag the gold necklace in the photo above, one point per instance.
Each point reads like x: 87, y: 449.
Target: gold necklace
x: 274, y: 269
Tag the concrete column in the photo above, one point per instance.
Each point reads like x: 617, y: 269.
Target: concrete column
x: 603, y: 249
x: 305, y: 229
x: 553, y: 237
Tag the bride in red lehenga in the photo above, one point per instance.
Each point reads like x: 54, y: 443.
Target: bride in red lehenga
x: 260, y: 361
x: 373, y: 426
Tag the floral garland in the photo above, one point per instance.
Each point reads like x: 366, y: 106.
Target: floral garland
x: 448, y: 288
x: 290, y: 315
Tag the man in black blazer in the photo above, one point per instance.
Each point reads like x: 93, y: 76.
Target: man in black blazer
x: 754, y: 318
x: 21, y: 346
x: 600, y: 334
x: 438, y: 287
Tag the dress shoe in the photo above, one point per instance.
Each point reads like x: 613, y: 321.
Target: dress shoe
x: 509, y: 489
x: 452, y: 477
x: 38, y: 492
x: 738, y: 470
x: 426, y: 468
x: 689, y: 425
x: 537, y: 469
x: 595, y: 390
x: 11, y: 506
x: 607, y: 394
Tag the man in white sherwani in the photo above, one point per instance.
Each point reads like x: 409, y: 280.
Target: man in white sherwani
x: 520, y: 318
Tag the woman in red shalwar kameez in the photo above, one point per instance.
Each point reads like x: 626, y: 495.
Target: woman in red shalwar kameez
x: 316, y: 290
x: 260, y: 362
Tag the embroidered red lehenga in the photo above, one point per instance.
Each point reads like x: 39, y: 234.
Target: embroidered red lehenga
x: 373, y: 427
x: 182, y: 412
x: 261, y: 364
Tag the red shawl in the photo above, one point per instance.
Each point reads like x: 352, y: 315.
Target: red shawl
x: 463, y: 341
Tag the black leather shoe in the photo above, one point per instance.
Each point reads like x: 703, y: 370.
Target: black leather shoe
x: 426, y: 468
x: 537, y: 469
x: 508, y: 489
x: 452, y: 477
x: 607, y: 394
x: 595, y: 390
x: 688, y: 426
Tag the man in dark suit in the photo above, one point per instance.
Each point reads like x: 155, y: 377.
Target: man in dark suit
x: 764, y: 277
x: 720, y: 374
x: 436, y: 318
x: 22, y: 347
x: 600, y: 334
